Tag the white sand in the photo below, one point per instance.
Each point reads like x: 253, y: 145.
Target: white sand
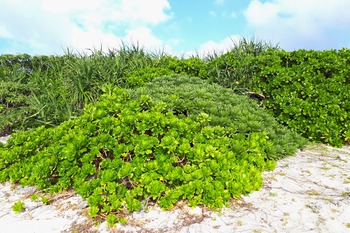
x: 309, y: 192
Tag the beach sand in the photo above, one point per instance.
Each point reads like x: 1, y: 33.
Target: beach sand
x: 309, y: 192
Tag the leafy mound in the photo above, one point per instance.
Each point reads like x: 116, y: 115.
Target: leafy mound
x: 308, y: 91
x: 240, y: 116
x: 123, y: 153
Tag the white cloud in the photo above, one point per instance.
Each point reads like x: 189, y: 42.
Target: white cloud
x: 211, y: 47
x: 151, y: 11
x: 50, y: 26
x: 219, y: 2
x: 259, y: 14
x: 67, y: 6
x: 127, y: 11
x: 316, y: 24
x: 145, y: 39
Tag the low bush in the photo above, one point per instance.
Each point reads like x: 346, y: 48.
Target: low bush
x: 239, y: 115
x: 140, y: 77
x: 125, y: 152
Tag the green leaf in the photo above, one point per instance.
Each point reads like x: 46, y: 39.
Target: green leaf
x: 18, y: 207
x: 155, y: 189
x: 132, y: 204
x: 111, y: 220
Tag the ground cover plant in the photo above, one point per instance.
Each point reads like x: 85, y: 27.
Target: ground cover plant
x: 124, y: 152
x: 191, y: 96
x: 308, y: 91
x: 166, y: 128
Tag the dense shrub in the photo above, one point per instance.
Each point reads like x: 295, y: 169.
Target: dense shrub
x: 193, y: 66
x: 191, y: 96
x: 122, y: 154
x: 235, y: 69
x: 47, y: 90
x: 308, y: 91
x: 140, y: 77
x: 15, y: 89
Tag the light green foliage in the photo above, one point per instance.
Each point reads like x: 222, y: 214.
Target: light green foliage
x: 111, y: 220
x: 122, y: 153
x: 18, y: 207
x: 193, y: 66
x: 45, y: 200
x: 34, y: 197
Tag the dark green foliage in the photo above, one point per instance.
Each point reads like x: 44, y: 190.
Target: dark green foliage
x: 47, y: 90
x: 308, y: 91
x: 305, y: 90
x: 237, y: 114
x: 13, y: 102
x: 236, y: 68
x: 193, y: 66
x: 123, y: 153
x: 14, y: 90
x: 233, y: 70
x: 43, y: 90
x: 31, y: 93
x: 140, y: 77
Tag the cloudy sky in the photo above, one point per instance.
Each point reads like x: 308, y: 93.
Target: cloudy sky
x: 49, y: 27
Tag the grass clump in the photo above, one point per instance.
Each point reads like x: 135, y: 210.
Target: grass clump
x: 235, y: 69
x: 47, y: 90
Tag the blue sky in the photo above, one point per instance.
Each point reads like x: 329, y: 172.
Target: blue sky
x: 49, y: 27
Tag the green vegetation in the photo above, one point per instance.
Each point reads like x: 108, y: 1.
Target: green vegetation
x: 126, y: 128
x: 34, y: 197
x: 237, y: 114
x: 18, y: 207
x: 48, y: 90
x: 236, y: 69
x: 122, y: 153
x: 308, y: 91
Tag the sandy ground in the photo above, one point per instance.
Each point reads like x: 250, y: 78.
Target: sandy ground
x: 309, y: 192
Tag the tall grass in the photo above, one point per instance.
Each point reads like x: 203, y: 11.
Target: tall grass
x: 48, y: 90
x: 235, y: 69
